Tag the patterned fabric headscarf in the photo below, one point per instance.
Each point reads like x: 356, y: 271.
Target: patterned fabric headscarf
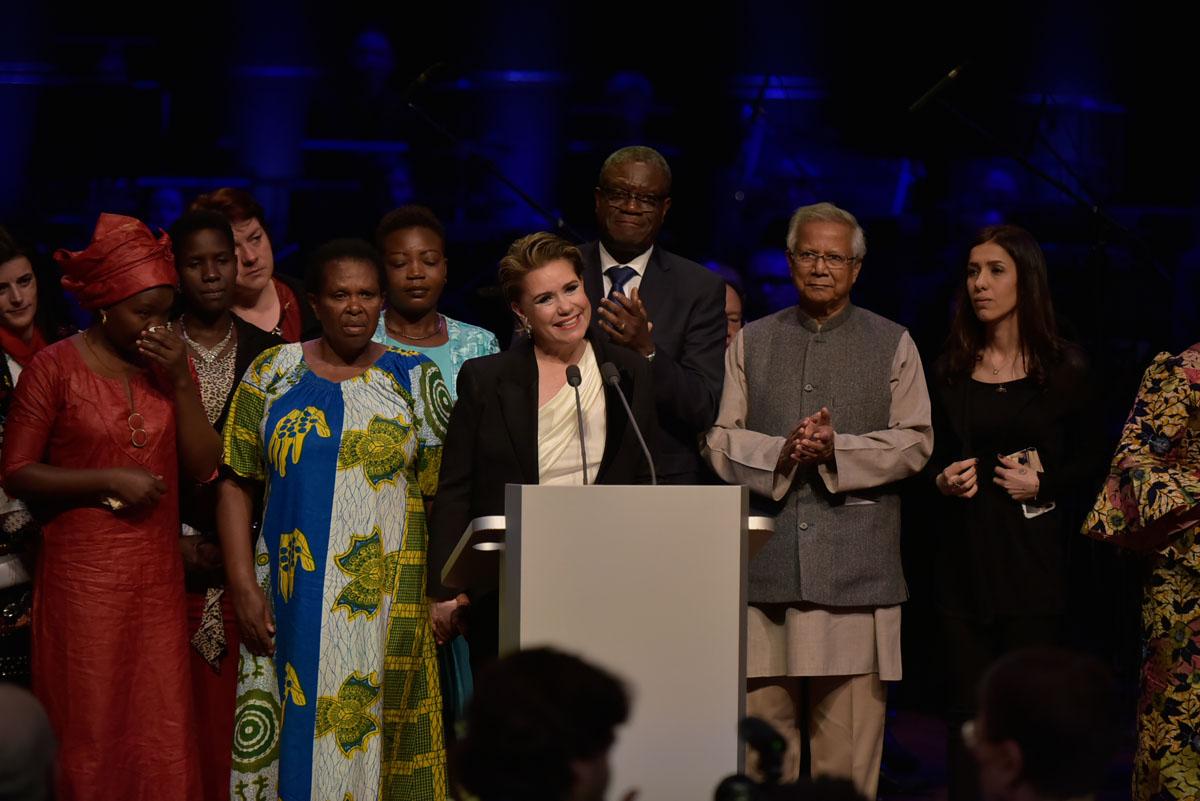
x: 123, y: 259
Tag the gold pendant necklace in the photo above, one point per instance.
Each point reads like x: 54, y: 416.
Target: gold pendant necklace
x: 1011, y: 365
x: 136, y: 422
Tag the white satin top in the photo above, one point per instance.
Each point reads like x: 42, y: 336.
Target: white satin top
x: 559, y: 460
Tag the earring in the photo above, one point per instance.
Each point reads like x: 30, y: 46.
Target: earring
x: 525, y: 325
x: 103, y: 317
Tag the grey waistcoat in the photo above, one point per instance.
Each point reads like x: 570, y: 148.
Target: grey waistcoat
x: 831, y: 550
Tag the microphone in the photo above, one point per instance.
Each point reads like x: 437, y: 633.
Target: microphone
x: 575, y: 379
x: 937, y: 89
x: 613, y: 379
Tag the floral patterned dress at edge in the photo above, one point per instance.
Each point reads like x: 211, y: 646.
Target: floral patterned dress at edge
x: 349, y: 707
x: 1151, y: 502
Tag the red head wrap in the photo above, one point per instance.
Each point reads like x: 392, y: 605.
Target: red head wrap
x: 123, y: 259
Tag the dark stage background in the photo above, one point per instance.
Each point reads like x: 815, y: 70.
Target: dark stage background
x: 759, y: 108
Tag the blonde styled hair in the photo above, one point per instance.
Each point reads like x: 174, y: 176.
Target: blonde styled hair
x: 528, y: 254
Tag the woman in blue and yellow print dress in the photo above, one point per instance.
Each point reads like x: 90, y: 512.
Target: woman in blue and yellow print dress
x: 342, y: 702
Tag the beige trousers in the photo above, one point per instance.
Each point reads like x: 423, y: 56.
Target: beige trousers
x: 846, y: 719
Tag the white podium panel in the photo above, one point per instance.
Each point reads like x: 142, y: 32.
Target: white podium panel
x: 649, y: 583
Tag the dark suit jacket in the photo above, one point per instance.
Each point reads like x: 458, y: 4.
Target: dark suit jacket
x: 686, y: 303
x: 491, y: 440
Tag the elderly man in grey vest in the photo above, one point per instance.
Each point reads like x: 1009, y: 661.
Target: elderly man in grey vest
x: 824, y: 408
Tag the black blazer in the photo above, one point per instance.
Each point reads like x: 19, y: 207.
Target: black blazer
x: 491, y: 440
x: 686, y: 303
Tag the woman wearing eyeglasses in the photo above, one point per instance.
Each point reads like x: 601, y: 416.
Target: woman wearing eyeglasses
x: 101, y: 428
x: 1011, y: 444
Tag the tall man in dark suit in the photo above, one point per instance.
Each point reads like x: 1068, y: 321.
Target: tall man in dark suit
x: 665, y: 307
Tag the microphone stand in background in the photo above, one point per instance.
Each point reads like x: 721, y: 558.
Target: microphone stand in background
x: 489, y: 166
x: 1093, y: 208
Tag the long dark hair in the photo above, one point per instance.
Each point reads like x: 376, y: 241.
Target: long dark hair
x: 1040, y: 343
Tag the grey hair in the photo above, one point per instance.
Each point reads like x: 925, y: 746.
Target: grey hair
x: 636, y: 154
x: 827, y: 212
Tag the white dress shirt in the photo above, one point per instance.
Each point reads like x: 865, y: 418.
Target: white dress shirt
x: 638, y: 264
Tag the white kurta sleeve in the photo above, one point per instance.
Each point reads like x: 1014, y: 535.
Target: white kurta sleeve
x: 736, y: 454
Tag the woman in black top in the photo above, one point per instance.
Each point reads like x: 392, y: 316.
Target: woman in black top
x: 514, y: 421
x: 1008, y: 406
x: 221, y: 347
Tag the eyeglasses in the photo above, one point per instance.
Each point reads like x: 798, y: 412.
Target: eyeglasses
x: 620, y: 197
x: 834, y: 261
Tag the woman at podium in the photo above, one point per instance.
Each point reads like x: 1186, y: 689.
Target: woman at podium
x: 538, y: 413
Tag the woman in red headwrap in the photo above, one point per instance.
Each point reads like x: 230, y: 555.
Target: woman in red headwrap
x: 100, y: 426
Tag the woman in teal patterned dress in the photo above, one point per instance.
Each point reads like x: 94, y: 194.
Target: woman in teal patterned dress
x: 338, y: 690
x: 413, y: 243
x: 1151, y: 502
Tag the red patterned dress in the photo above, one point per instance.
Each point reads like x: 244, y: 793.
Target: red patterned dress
x: 110, y: 639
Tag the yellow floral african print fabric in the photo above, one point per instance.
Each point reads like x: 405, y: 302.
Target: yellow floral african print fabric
x: 350, y: 704
x: 1150, y: 502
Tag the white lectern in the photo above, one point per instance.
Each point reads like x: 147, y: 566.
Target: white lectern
x: 647, y: 582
